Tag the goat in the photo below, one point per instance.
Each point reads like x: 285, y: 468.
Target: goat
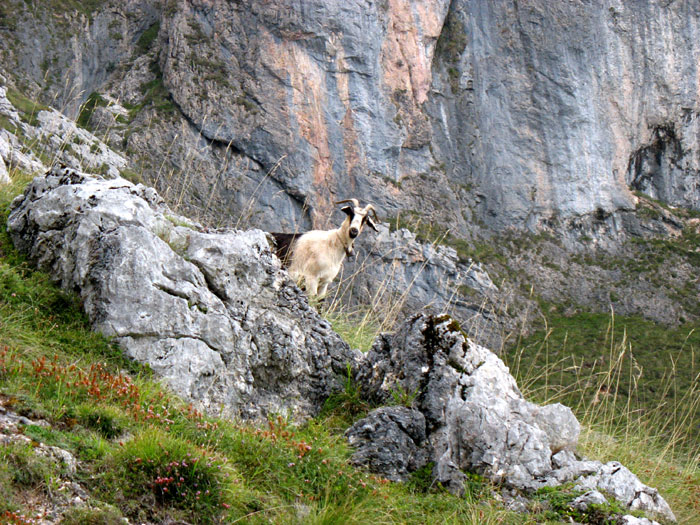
x: 315, y: 257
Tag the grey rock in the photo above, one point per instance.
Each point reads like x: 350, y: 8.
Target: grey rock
x: 75, y: 146
x: 102, y: 120
x: 616, y: 479
x: 592, y: 497
x: 477, y: 420
x: 212, y: 313
x: 4, y: 175
x: 10, y: 421
x: 61, y: 139
x: 476, y: 417
x: 668, y: 168
x: 563, y: 458
x: 11, y: 150
x: 398, y: 270
x: 59, y: 455
x: 516, y: 503
x: 560, y: 425
x: 352, y: 100
x: 548, y: 86
x: 7, y: 109
x: 390, y: 441
x: 77, y: 490
x: 267, y: 112
x: 326, y: 86
x: 633, y: 520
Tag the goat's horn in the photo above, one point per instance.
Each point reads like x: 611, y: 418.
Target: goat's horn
x: 354, y: 202
x: 370, y: 209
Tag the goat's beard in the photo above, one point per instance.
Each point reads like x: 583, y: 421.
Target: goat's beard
x: 349, y: 252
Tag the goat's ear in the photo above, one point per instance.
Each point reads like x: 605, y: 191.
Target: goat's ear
x: 371, y: 224
x: 347, y: 210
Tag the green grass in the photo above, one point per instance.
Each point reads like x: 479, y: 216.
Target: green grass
x: 87, y: 7
x: 155, y: 95
x: 147, y: 38
x: 633, y: 384
x: 593, y: 356
x: 433, y: 233
x: 88, y: 107
x: 27, y: 108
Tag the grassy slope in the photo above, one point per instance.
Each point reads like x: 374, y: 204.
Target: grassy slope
x: 634, y: 386
x: 653, y: 369
x: 147, y: 455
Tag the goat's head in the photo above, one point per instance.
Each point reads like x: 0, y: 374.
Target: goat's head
x: 358, y: 217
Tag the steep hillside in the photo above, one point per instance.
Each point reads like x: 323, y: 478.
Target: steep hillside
x: 541, y: 172
x: 535, y: 165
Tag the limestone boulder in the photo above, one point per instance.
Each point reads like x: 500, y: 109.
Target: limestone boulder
x: 476, y: 420
x: 212, y: 313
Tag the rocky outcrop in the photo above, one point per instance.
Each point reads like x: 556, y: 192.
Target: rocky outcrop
x: 4, y: 175
x: 400, y: 433
x: 476, y: 420
x: 211, y: 312
x: 395, y: 273
x: 51, y: 137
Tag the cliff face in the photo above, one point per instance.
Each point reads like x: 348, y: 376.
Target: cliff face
x: 554, y: 109
x: 333, y: 91
x: 513, y: 113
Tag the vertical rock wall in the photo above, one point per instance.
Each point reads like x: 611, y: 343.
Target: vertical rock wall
x: 504, y: 113
x: 332, y: 89
x: 545, y: 105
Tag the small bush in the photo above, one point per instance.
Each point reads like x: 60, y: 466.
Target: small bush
x: 7, y: 503
x: 555, y: 503
x: 26, y: 467
x: 107, y: 421
x: 147, y: 38
x: 347, y: 406
x: 170, y: 471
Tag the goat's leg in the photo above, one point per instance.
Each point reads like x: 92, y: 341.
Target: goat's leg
x: 324, y: 288
x: 311, y: 286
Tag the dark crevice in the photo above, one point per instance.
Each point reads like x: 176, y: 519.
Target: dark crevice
x: 220, y: 294
x: 654, y: 168
x: 177, y: 337
x: 452, y: 40
x: 172, y: 291
x: 228, y: 146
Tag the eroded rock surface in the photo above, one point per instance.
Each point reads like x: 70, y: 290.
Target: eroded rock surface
x: 402, y: 434
x: 212, y: 313
x: 396, y: 268
x: 476, y: 419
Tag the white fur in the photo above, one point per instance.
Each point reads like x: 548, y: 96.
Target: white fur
x: 318, y: 254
